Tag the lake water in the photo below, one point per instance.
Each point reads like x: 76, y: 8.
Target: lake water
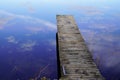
x: 28, y: 36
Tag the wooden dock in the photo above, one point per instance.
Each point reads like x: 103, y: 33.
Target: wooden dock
x: 76, y: 62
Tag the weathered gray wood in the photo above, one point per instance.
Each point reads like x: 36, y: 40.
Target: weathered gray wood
x: 75, y: 60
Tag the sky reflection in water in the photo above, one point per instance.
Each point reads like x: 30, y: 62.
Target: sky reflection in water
x: 28, y: 29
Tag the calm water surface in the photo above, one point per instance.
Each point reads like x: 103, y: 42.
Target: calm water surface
x: 28, y: 29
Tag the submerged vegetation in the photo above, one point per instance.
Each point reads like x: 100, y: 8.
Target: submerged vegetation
x: 38, y: 77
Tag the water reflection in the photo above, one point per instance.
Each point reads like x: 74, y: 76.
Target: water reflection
x: 28, y: 49
x: 28, y: 29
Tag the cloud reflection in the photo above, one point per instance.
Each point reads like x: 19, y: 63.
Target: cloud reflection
x: 34, y: 29
x: 25, y: 18
x: 28, y: 46
x: 11, y: 39
x: 103, y: 48
x: 88, y: 10
x: 29, y: 7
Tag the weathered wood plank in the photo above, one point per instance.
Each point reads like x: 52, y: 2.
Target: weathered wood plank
x: 75, y: 60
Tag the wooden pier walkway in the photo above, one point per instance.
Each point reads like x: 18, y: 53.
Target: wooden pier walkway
x: 76, y: 62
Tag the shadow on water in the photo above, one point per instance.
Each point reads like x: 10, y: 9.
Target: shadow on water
x: 58, y: 59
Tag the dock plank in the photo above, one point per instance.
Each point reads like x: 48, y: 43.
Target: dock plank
x: 75, y: 59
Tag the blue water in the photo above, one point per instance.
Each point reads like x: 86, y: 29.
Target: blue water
x: 28, y: 29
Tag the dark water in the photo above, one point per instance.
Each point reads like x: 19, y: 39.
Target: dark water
x: 24, y: 57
